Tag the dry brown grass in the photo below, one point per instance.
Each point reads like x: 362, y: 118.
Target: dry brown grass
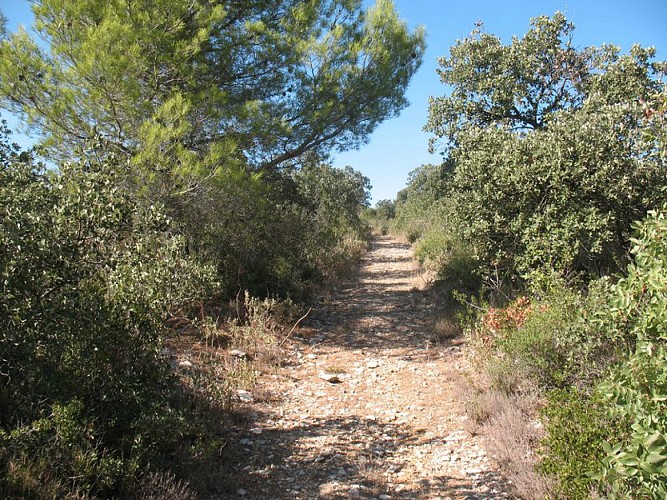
x: 444, y: 330
x: 512, y: 434
x: 164, y: 486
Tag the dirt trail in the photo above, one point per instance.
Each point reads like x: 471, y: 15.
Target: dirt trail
x: 391, y: 426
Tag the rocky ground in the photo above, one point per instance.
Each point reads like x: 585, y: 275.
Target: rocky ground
x: 366, y: 406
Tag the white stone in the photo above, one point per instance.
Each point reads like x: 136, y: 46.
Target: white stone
x: 332, y: 378
x: 245, y: 396
x: 239, y: 354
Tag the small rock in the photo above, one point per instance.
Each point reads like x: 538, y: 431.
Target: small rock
x: 241, y: 492
x: 384, y: 497
x: 393, y: 469
x: 239, y: 354
x: 256, y: 430
x: 245, y: 396
x: 185, y: 364
x: 332, y: 378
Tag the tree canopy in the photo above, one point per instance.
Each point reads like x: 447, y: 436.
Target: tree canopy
x: 196, y: 84
x: 553, y: 151
x: 524, y: 84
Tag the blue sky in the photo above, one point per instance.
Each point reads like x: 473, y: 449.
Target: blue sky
x: 399, y: 145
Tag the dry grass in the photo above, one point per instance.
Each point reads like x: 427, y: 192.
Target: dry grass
x: 444, y: 330
x: 335, y: 369
x: 164, y: 486
x: 513, y: 439
x: 373, y: 476
x: 512, y: 435
x: 214, y: 359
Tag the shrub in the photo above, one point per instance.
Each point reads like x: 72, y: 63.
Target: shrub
x: 555, y: 342
x: 576, y: 427
x: 283, y: 233
x: 551, y: 163
x: 87, y: 279
x: 446, y: 255
x: 637, y: 388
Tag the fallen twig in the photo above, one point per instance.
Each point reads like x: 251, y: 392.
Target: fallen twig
x: 294, y: 327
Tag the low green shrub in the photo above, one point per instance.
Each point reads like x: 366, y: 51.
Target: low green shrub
x: 577, y: 425
x: 446, y: 255
x: 87, y: 279
x: 554, y: 342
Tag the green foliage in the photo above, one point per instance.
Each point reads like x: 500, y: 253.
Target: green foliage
x: 188, y: 86
x: 577, y: 425
x: 385, y: 209
x: 637, y: 388
x: 279, y: 233
x: 554, y: 150
x: 422, y: 216
x: 379, y: 217
x: 336, y: 236
x: 551, y: 343
x: 517, y: 86
x: 446, y: 255
x: 87, y: 279
x: 417, y: 205
x: 624, y: 422
x: 188, y: 132
x: 215, y: 105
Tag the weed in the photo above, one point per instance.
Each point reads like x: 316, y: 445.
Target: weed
x: 335, y: 369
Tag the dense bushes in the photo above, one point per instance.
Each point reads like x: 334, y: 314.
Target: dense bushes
x: 283, y: 233
x: 552, y: 156
x: 89, y: 275
x: 87, y: 279
x: 550, y: 164
x: 185, y: 142
x: 599, y: 358
x: 563, y: 197
x: 578, y: 426
x: 335, y: 236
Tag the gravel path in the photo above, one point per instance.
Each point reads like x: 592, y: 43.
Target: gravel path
x: 366, y: 407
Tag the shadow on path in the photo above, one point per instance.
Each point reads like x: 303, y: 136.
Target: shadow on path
x: 357, y: 438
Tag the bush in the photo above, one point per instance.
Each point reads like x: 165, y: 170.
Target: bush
x: 577, y: 425
x: 637, y: 388
x: 284, y: 233
x: 551, y: 163
x: 553, y: 342
x: 446, y: 255
x: 87, y: 279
